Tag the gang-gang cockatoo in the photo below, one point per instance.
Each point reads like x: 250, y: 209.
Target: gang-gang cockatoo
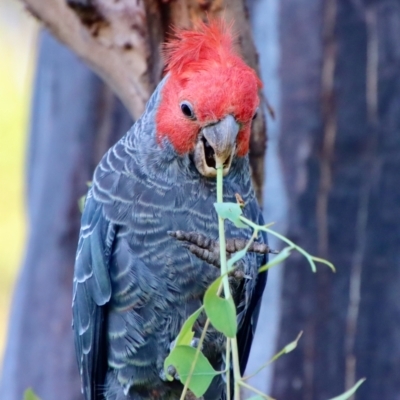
x: 135, y: 283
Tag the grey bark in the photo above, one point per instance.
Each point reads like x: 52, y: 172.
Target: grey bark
x: 74, y: 119
x: 341, y: 150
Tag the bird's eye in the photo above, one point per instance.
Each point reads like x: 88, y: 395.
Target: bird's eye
x: 187, y: 109
x: 255, y: 114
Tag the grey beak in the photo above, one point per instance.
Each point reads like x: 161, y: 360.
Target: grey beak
x: 222, y: 138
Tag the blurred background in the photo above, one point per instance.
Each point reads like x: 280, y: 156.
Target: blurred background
x: 331, y: 72
x: 18, y: 33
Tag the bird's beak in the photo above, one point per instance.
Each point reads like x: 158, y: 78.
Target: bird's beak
x: 216, y: 146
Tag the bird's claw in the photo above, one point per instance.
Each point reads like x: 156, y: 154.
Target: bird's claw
x: 172, y: 345
x: 208, y: 249
x: 237, y: 273
x: 201, y: 246
x: 171, y: 370
x: 195, y: 343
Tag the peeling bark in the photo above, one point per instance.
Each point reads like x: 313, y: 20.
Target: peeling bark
x: 111, y: 37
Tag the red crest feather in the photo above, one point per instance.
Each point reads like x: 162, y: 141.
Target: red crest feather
x: 190, y: 47
x: 206, y: 71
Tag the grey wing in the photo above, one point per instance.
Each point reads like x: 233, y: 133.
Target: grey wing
x: 249, y: 324
x: 247, y: 331
x: 91, y: 292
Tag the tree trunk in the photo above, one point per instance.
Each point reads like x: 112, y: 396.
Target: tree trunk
x: 75, y: 118
x: 341, y: 151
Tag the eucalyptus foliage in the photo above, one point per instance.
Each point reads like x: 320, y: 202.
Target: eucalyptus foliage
x: 195, y: 372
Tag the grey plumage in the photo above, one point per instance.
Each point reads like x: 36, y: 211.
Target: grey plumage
x: 134, y: 284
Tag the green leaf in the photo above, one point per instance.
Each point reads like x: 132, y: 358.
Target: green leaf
x: 81, y: 203
x: 350, y: 392
x: 283, y: 255
x: 222, y: 312
x: 231, y: 211
x: 30, y: 395
x: 182, y: 357
x: 288, y: 348
x: 292, y: 345
x: 326, y: 262
x: 186, y: 334
x: 82, y: 199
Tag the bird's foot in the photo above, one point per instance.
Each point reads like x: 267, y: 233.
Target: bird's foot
x: 191, y: 396
x: 171, y: 370
x: 208, y: 249
x: 194, y: 343
x: 201, y: 246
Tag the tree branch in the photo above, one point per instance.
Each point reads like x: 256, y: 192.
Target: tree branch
x: 112, y: 37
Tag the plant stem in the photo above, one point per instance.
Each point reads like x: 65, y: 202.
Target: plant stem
x: 308, y: 256
x: 236, y: 368
x: 253, y: 389
x: 227, y: 292
x: 221, y: 230
x: 228, y: 368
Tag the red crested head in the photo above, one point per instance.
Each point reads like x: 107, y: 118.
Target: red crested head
x: 208, y: 82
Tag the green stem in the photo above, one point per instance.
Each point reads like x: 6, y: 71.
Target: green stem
x: 221, y: 230
x: 227, y: 292
x: 308, y: 256
x: 236, y: 368
x: 228, y: 368
x: 253, y: 389
x: 245, y: 378
x: 289, y: 242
